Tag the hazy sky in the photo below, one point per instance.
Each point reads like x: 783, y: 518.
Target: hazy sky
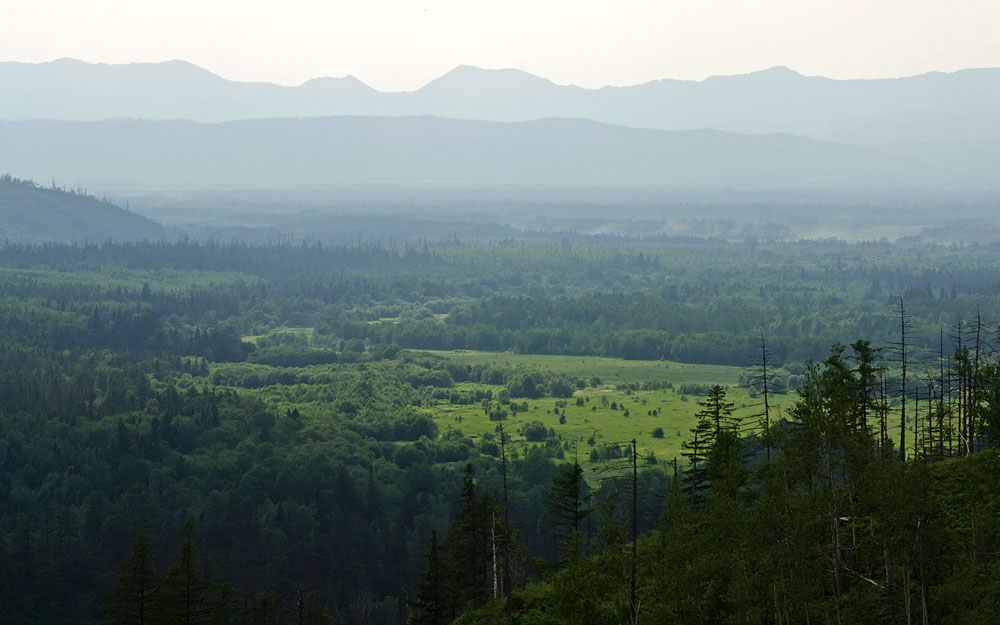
x: 401, y: 44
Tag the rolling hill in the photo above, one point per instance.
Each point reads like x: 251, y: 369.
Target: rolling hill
x: 30, y: 213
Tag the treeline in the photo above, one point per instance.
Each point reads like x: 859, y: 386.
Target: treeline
x: 703, y: 348
x: 693, y: 302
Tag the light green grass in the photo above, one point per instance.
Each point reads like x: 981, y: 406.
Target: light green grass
x: 675, y: 412
x: 610, y: 370
x: 306, y: 332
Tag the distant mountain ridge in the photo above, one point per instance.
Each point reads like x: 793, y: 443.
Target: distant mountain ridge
x: 30, y: 213
x: 935, y: 107
x: 415, y: 151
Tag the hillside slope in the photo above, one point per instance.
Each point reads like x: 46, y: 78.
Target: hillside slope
x: 30, y: 213
x: 931, y: 534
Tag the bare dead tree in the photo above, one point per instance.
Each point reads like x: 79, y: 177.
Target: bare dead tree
x: 633, y: 606
x: 506, y: 523
x: 899, y: 351
x: 768, y: 384
x: 941, y: 395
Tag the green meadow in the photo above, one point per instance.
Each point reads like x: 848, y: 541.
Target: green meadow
x: 610, y: 370
x: 605, y: 414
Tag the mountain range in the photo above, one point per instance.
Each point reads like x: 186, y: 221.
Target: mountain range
x: 888, y: 114
x: 176, y: 126
x: 414, y: 151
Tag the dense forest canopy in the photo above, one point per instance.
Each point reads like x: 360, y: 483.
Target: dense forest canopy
x: 259, y: 423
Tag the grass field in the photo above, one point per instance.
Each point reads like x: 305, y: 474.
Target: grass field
x: 296, y: 331
x: 595, y: 423
x: 610, y: 370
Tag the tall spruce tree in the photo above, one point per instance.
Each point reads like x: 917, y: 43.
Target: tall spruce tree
x: 475, y: 542
x: 697, y: 451
x: 568, y: 504
x: 433, y: 605
x: 132, y: 599
x: 718, y: 411
x: 185, y: 595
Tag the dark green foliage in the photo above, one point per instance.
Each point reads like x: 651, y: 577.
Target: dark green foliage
x: 833, y: 530
x: 716, y: 430
x: 472, y: 567
x: 184, y: 596
x: 133, y: 600
x: 717, y: 411
x: 568, y: 505
x: 434, y: 604
x: 534, y: 431
x: 266, y: 392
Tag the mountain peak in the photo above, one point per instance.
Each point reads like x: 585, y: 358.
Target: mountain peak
x: 350, y: 81
x: 778, y: 72
x: 463, y: 76
x: 66, y: 60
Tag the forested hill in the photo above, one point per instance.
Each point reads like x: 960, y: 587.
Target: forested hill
x: 31, y: 213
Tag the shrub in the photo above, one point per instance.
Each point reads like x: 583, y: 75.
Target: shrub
x: 534, y: 431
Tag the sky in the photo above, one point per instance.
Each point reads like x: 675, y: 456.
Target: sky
x: 400, y: 45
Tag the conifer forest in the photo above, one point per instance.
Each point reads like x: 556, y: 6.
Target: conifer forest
x: 549, y: 430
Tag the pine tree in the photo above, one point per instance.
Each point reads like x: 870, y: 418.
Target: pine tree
x: 131, y: 601
x: 697, y: 452
x: 185, y: 596
x: 475, y: 539
x: 714, y: 418
x: 568, y: 503
x: 718, y: 411
x: 432, y: 606
x: 867, y: 372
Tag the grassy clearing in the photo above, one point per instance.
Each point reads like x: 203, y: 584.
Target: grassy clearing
x: 293, y: 331
x: 595, y: 423
x: 595, y: 416
x: 610, y: 370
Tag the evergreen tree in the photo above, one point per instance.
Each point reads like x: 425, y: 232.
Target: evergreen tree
x: 185, y: 596
x: 476, y: 546
x: 131, y: 600
x: 432, y: 606
x: 697, y: 451
x: 714, y: 419
x: 568, y: 504
x: 718, y: 411
x: 867, y: 379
